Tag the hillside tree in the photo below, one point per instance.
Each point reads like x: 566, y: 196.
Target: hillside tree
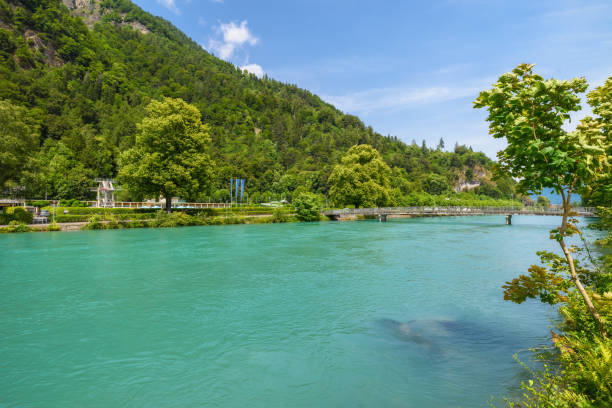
x: 362, y: 179
x: 19, y: 138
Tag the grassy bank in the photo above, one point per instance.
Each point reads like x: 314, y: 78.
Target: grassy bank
x: 182, y: 219
x: 125, y: 218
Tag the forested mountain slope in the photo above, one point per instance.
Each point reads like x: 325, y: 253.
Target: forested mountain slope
x: 76, y: 75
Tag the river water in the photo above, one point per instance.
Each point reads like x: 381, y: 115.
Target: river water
x: 407, y: 313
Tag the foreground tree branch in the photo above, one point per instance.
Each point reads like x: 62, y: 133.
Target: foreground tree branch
x: 529, y: 112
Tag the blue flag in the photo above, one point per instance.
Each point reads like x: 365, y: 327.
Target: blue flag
x: 236, y: 189
x: 241, y: 189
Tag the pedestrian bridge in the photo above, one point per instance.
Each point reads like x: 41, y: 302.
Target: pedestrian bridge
x: 382, y: 213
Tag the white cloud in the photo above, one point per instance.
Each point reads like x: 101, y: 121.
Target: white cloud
x: 253, y: 69
x: 399, y: 98
x: 234, y: 37
x: 170, y: 5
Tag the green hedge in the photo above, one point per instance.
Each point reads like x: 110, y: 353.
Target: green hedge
x: 234, y: 210
x: 70, y: 218
x: 104, y: 217
x: 5, y: 219
x: 18, y: 214
x: 210, y: 212
x: 94, y: 210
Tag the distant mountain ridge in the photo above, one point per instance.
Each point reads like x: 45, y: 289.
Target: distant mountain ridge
x: 86, y: 69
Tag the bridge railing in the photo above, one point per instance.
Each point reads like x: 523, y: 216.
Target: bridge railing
x: 457, y: 210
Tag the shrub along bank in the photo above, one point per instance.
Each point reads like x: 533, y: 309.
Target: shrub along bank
x: 579, y: 368
x: 17, y: 214
x: 181, y: 219
x: 16, y: 226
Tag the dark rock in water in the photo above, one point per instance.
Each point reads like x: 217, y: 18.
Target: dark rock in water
x: 437, y: 334
x: 407, y: 331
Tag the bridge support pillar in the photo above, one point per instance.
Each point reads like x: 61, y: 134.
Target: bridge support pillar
x: 508, y: 219
x: 382, y: 217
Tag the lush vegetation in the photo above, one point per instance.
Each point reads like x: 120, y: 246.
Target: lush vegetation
x: 363, y: 179
x: 307, y: 207
x: 17, y: 214
x: 163, y: 219
x: 170, y: 154
x: 74, y: 88
x: 529, y: 112
x: 578, y: 370
x: 600, y: 100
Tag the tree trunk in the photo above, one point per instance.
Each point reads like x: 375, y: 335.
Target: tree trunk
x: 570, y: 262
x: 168, y: 204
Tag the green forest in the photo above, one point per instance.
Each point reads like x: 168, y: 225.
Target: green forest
x: 75, y: 84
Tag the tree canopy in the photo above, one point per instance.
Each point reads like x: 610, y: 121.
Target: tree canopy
x: 600, y: 100
x: 529, y: 112
x: 19, y: 136
x: 170, y: 155
x: 362, y: 179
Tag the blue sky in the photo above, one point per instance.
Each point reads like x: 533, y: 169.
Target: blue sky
x: 407, y: 68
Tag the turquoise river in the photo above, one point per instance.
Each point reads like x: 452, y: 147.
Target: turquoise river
x: 408, y: 313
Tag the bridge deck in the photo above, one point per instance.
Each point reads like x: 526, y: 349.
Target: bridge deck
x: 454, y: 211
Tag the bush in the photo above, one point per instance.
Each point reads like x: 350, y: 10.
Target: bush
x: 72, y: 203
x: 53, y: 227
x: 280, y: 215
x: 307, y: 207
x: 5, y: 218
x: 40, y: 203
x: 94, y: 223
x: 15, y: 226
x: 20, y: 214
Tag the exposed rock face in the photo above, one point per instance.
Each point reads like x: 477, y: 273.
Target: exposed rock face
x: 48, y: 50
x: 470, y: 185
x: 91, y: 12
x: 78, y: 4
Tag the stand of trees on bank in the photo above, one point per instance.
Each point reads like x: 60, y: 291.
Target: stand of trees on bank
x: 74, y: 87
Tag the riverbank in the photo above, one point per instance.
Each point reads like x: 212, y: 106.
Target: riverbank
x: 106, y: 219
x: 161, y: 221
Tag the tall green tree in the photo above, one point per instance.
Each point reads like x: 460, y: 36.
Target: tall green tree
x: 435, y: 184
x: 170, y: 155
x: 600, y: 100
x: 529, y: 112
x: 19, y: 139
x: 362, y: 179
